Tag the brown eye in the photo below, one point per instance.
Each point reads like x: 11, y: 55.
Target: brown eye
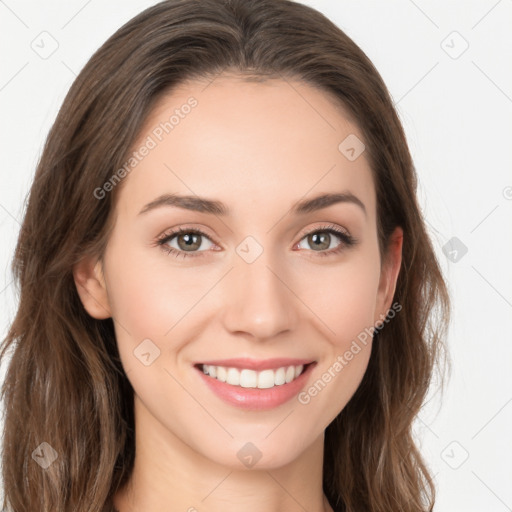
x: 183, y: 241
x: 188, y: 241
x: 320, y: 240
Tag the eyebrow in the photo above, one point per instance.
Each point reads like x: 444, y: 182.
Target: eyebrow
x: 214, y: 207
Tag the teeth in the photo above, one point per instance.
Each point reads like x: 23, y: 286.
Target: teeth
x: 253, y: 379
x: 233, y: 377
x: 221, y: 372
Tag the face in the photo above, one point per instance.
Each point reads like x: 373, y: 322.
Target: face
x: 262, y: 276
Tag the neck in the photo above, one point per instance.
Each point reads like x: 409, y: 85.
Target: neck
x: 171, y: 475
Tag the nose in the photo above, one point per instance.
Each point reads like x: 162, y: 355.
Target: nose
x: 258, y: 299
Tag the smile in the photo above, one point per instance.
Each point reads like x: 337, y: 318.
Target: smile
x: 266, y: 385
x: 247, y: 378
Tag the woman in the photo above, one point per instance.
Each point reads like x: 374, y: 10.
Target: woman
x: 226, y: 286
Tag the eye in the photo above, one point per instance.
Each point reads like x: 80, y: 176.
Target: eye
x: 322, y: 238
x: 185, y: 241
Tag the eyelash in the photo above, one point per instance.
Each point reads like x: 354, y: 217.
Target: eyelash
x: 347, y: 241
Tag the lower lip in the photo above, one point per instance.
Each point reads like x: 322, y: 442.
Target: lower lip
x: 254, y: 398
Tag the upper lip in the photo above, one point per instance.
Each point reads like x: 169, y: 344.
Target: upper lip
x: 257, y: 364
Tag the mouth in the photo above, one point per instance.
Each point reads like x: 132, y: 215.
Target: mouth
x: 269, y: 386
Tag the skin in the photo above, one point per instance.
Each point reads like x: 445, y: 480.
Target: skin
x: 258, y: 148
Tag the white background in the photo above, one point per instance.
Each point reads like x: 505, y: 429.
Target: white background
x: 457, y: 112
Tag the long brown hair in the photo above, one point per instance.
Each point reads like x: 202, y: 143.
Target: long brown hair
x: 65, y: 385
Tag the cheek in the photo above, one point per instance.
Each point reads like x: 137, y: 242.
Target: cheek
x: 345, y: 303
x: 343, y: 297
x: 153, y: 304
x: 149, y: 295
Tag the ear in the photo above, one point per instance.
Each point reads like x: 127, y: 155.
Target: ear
x: 91, y: 287
x: 390, y: 269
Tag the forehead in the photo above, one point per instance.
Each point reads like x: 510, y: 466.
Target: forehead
x: 242, y: 142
